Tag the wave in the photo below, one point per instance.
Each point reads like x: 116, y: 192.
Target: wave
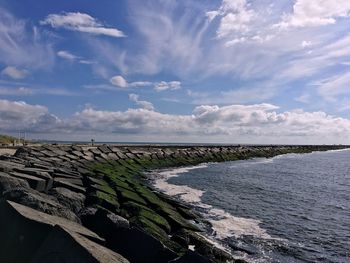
x: 226, y: 225
x: 253, y: 161
x: 185, y: 192
x: 223, y: 224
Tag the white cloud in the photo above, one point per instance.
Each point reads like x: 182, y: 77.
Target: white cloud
x: 304, y: 98
x: 24, y: 91
x: 22, y: 45
x: 235, y: 17
x: 171, y: 85
x: 178, y: 47
x: 87, y: 62
x: 308, y: 13
x: 235, y: 22
x: 257, y: 123
x: 233, y: 123
x: 18, y: 115
x: 142, y: 103
x: 322, y: 58
x: 14, y: 73
x: 67, y: 55
x: 80, y: 22
x: 335, y: 86
x: 306, y: 44
x: 119, y: 81
x: 15, y: 91
x: 71, y: 57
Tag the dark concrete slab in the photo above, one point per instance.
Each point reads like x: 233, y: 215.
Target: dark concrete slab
x: 34, y: 182
x: 62, y: 245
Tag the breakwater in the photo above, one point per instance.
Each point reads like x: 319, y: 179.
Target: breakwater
x: 92, y: 204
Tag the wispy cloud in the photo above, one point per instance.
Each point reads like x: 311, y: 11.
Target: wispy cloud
x: 80, y: 22
x: 121, y: 82
x: 23, y: 45
x: 14, y: 73
x: 28, y: 91
x: 21, y: 91
x: 335, y: 86
x: 67, y: 55
x: 170, y: 85
x: 74, y: 58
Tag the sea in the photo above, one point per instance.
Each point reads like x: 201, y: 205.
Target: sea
x: 290, y: 208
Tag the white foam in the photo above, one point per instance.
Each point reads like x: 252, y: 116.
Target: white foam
x: 226, y: 225
x: 252, y: 162
x: 338, y: 150
x: 185, y: 192
x: 223, y: 223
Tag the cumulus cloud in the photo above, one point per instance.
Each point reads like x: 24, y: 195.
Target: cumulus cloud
x: 142, y: 103
x: 230, y: 122
x: 119, y: 81
x: 14, y: 73
x: 235, y: 16
x: 308, y: 13
x: 18, y: 115
x: 262, y: 122
x: 80, y: 22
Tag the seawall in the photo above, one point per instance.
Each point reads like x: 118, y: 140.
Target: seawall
x: 67, y: 203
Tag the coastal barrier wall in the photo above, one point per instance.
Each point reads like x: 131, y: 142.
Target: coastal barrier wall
x: 70, y: 203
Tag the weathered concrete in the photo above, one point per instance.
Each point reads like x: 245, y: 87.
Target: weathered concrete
x: 65, y: 246
x: 37, y: 237
x: 8, y: 182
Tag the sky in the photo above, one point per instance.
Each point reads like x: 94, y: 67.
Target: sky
x: 202, y: 71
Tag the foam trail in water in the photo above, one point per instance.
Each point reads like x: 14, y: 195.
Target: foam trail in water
x: 251, y: 162
x: 223, y: 224
x: 226, y: 225
x: 185, y: 192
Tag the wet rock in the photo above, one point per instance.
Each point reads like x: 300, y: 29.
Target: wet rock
x: 191, y: 257
x: 102, y: 221
x: 123, y: 239
x: 148, y: 248
x: 207, y: 250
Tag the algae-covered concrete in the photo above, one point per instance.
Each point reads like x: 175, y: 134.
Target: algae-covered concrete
x: 101, y: 195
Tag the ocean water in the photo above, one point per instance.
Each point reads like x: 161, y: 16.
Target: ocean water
x: 290, y: 208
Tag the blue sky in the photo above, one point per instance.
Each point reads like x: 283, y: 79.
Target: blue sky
x: 234, y: 71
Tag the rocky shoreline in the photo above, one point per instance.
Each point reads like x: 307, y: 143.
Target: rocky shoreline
x: 68, y: 203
